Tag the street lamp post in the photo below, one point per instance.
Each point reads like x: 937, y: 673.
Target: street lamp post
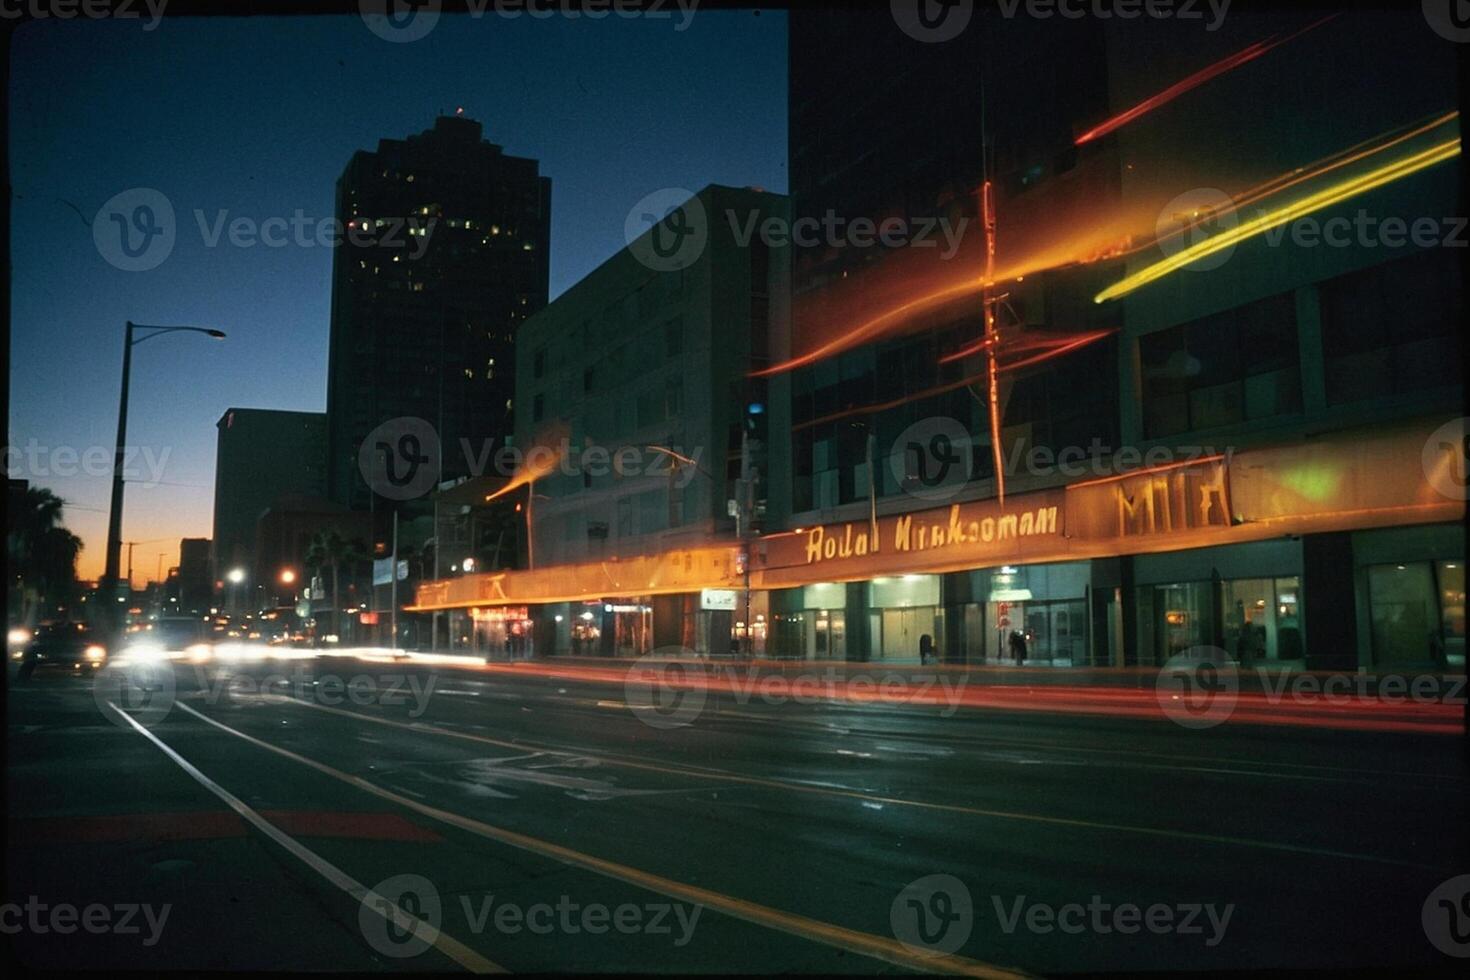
x: 114, y: 522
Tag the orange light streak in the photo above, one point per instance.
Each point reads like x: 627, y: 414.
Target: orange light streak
x: 530, y: 473
x: 1241, y: 57
x: 987, y: 215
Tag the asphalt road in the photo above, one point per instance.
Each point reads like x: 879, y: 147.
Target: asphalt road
x: 295, y: 814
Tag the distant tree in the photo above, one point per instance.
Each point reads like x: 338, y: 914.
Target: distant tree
x: 41, y: 554
x: 329, y: 550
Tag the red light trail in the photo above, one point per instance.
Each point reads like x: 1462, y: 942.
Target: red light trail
x: 1244, y: 56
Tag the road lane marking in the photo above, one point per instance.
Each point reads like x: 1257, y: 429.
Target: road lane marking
x: 826, y: 933
x: 726, y: 776
x: 446, y: 944
x: 830, y: 727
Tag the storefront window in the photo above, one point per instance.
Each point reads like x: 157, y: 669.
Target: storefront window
x: 1404, y: 609
x: 1451, y: 576
x: 1184, y: 615
x: 1260, y: 619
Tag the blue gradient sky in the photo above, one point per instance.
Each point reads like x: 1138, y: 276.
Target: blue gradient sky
x: 258, y: 116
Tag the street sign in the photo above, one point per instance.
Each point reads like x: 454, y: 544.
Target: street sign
x: 382, y: 571
x: 725, y: 599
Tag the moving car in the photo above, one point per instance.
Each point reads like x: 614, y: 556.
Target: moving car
x: 68, y: 645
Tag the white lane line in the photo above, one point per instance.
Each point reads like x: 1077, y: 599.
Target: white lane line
x: 446, y: 944
x: 815, y: 930
x: 822, y: 789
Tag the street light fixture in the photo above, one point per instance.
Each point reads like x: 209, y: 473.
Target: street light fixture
x: 287, y: 576
x: 114, y: 521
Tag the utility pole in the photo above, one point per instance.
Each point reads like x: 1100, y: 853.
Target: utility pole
x: 530, y: 528
x: 745, y: 514
x: 393, y: 593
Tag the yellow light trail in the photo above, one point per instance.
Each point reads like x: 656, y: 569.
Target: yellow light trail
x: 1324, y: 198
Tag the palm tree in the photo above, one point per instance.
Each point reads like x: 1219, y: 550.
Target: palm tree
x: 328, y: 549
x: 41, y: 553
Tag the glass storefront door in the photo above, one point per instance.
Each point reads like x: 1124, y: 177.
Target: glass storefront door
x: 1418, y: 613
x: 826, y: 634
x: 1183, y: 617
x: 902, y: 629
x: 1260, y: 619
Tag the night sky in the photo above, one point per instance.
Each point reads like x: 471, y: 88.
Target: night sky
x: 258, y: 117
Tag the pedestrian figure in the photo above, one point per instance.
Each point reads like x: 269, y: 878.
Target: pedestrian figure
x: 926, y: 649
x: 1018, y: 647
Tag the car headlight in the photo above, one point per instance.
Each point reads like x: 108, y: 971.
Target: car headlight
x: 96, y: 654
x: 18, y: 637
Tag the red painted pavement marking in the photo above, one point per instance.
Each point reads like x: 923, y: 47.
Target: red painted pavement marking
x: 214, y: 825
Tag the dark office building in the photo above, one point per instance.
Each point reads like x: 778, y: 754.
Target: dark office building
x: 445, y: 254
x: 195, y: 577
x: 261, y: 455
